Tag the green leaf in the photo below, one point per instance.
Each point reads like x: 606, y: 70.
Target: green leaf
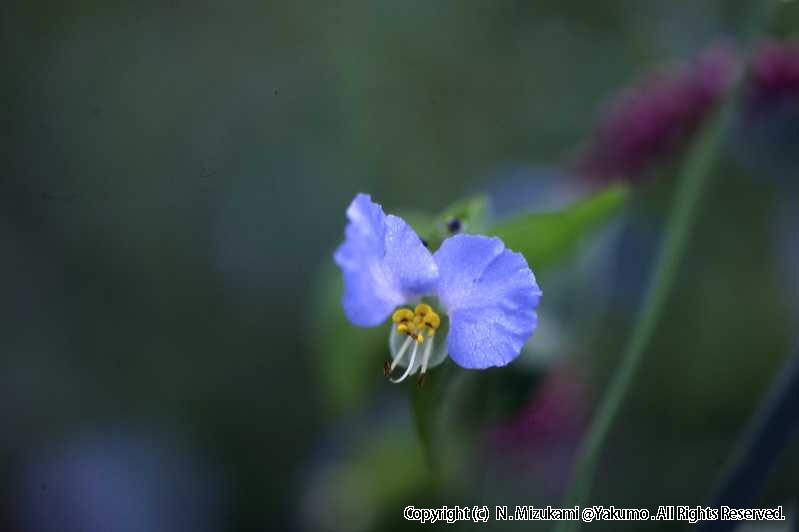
x: 353, y: 486
x: 471, y: 212
x: 547, y: 238
x: 426, y: 403
x: 348, y: 359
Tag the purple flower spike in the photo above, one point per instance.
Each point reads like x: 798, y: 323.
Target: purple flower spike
x: 773, y: 77
x: 768, y: 124
x: 651, y: 119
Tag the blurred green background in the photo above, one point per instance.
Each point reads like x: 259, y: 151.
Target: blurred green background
x: 174, y: 181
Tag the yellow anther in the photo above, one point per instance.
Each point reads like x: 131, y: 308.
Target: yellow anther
x: 422, y: 321
x: 402, y: 315
x: 423, y: 309
x: 432, y: 321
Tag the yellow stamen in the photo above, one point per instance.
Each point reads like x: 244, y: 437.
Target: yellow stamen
x: 402, y: 315
x: 423, y: 309
x: 432, y: 321
x: 417, y: 323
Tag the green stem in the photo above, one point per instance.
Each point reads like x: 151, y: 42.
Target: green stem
x: 694, y: 176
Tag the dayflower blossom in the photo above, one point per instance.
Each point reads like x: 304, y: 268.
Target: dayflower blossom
x: 479, y: 296
x: 648, y: 120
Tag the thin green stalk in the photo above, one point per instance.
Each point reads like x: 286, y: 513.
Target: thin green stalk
x: 693, y: 179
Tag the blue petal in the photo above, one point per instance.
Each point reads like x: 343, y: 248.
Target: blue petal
x: 490, y: 295
x: 383, y: 261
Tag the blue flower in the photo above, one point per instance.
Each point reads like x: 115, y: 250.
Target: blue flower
x: 486, y: 292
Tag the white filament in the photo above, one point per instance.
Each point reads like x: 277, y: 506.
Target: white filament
x: 400, y: 353
x: 428, y: 349
x: 410, y: 363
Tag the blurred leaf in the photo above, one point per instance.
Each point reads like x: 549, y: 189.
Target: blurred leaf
x: 501, y: 392
x: 354, y: 489
x: 348, y: 358
x: 546, y: 238
x: 454, y: 407
x: 471, y: 214
x: 426, y: 402
x: 372, y: 463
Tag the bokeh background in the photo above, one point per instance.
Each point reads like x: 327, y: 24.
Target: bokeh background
x: 174, y: 181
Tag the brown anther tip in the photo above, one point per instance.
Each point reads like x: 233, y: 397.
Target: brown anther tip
x: 387, y: 368
x: 421, y: 380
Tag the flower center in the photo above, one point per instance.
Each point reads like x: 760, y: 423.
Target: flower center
x: 418, y: 325
x: 415, y: 323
